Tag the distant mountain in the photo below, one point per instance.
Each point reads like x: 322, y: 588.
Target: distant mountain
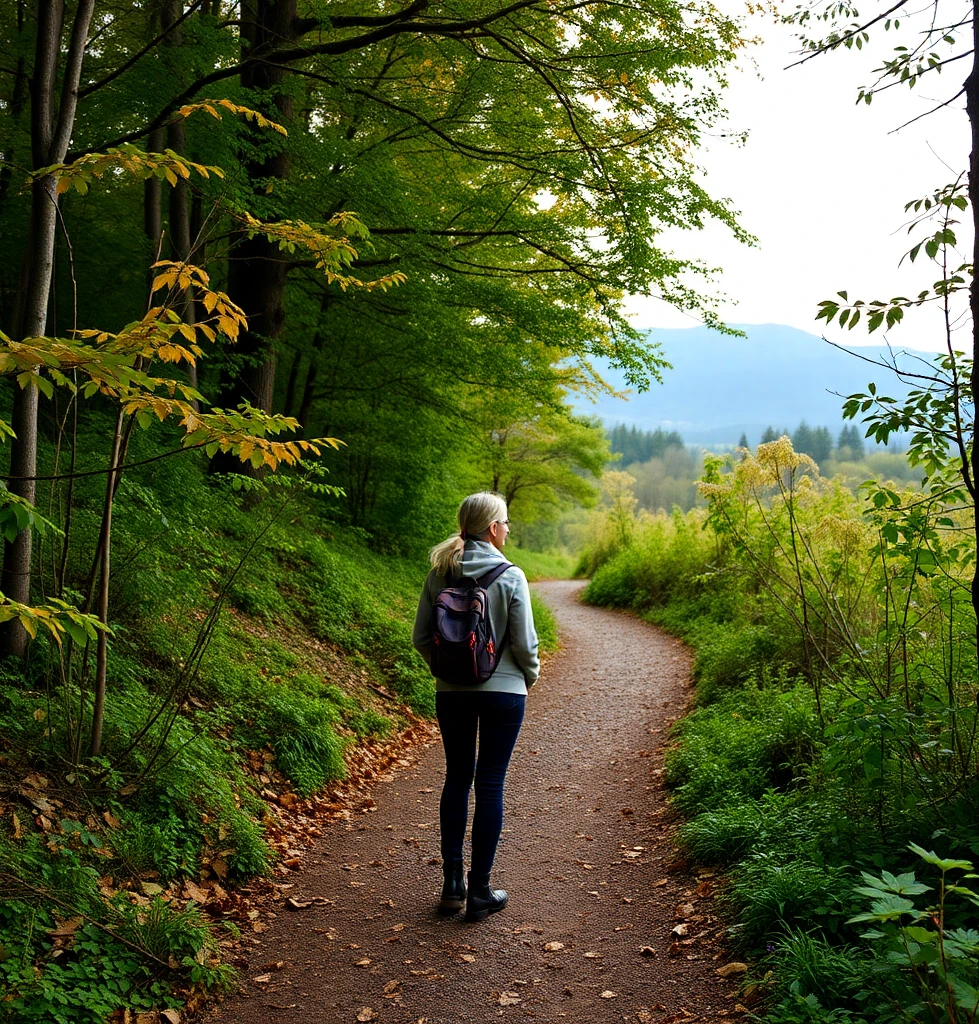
x: 721, y: 387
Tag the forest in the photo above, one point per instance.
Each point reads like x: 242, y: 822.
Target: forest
x: 280, y: 282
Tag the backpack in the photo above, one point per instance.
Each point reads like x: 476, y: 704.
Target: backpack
x: 464, y: 650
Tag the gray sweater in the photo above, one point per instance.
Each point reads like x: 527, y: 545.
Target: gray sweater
x: 509, y: 606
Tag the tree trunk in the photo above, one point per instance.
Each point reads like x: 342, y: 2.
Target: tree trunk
x: 289, y: 402
x: 104, y: 561
x: 51, y: 127
x: 972, y: 108
x: 179, y: 205
x: 258, y: 269
x: 309, y: 393
x: 152, y: 194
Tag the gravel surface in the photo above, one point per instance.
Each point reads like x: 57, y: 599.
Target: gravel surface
x: 604, y: 922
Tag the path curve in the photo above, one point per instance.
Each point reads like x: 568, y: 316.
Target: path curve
x: 585, y: 855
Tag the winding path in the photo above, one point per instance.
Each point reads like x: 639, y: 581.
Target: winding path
x: 604, y: 922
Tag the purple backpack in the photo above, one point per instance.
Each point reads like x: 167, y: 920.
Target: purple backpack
x: 464, y: 650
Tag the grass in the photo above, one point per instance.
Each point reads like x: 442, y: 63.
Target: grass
x: 542, y: 565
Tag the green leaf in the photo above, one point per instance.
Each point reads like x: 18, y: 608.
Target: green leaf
x: 930, y: 857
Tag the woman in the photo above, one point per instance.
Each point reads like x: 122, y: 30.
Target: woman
x: 493, y: 710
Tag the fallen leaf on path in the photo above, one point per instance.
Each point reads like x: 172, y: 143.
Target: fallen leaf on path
x: 735, y: 967
x: 390, y: 987
x: 609, y: 994
x: 623, y: 927
x: 363, y: 963
x: 553, y: 947
x: 509, y: 999
x: 366, y: 1014
x: 468, y: 958
x: 647, y: 951
x: 397, y: 927
x: 170, y: 1016
x: 276, y: 965
x: 593, y: 956
x: 65, y: 928
x: 262, y: 979
x: 192, y: 891
x: 684, y: 910
x: 681, y: 929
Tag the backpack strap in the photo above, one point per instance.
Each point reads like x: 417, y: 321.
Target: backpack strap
x: 494, y: 574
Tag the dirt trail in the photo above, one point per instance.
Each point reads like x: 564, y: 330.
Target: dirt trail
x: 585, y: 856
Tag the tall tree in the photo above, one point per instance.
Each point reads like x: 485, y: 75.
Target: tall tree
x: 942, y: 35
x: 503, y: 92
x: 52, y: 121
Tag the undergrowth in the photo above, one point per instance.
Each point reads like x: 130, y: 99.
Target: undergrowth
x: 828, y: 732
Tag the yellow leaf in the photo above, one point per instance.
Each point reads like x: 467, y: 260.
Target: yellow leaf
x: 171, y: 177
x: 64, y: 183
x: 188, y: 332
x: 29, y: 625
x: 228, y: 326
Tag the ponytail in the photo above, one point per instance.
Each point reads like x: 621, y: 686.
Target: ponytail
x: 476, y: 513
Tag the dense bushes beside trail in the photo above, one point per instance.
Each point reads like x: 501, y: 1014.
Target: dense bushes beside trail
x: 835, y: 723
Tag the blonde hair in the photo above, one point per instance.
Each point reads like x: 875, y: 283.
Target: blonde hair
x: 476, y: 514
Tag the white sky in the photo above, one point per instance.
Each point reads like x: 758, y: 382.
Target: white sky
x: 822, y: 183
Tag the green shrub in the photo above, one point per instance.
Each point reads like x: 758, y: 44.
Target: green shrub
x: 729, y: 655
x: 770, y: 895
x: 807, y: 966
x: 546, y: 623
x: 736, y: 749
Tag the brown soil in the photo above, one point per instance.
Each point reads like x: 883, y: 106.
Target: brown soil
x: 604, y: 922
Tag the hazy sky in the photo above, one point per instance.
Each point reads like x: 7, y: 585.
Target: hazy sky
x: 822, y: 183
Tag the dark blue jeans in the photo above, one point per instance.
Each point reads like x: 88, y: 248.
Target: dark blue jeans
x: 496, y: 718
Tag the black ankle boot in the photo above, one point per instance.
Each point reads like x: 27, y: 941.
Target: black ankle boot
x: 453, y: 888
x: 481, y: 900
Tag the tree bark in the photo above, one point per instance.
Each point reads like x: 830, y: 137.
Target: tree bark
x: 104, y: 562
x: 152, y: 195
x: 51, y: 127
x: 257, y: 270
x: 972, y: 109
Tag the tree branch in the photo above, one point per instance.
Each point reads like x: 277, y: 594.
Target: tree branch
x: 123, y: 68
